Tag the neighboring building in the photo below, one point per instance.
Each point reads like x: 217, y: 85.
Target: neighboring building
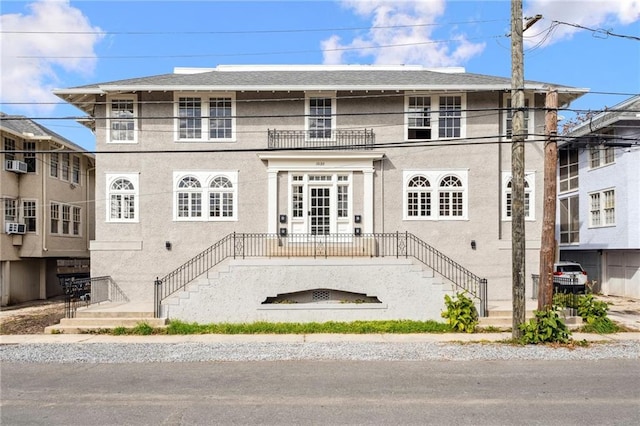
x: 47, y: 191
x: 187, y: 159
x: 599, y: 198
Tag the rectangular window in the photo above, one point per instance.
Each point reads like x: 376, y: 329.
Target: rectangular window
x: 10, y: 209
x: 419, y: 117
x: 76, y: 220
x: 220, y: 204
x: 190, y: 113
x: 509, y: 117
x: 343, y: 201
x: 9, y: 147
x: 568, y: 159
x: 296, y: 200
x: 449, y: 117
x: 55, y: 218
x: 66, y: 218
x: 320, y: 120
x: 53, y: 164
x: 122, y: 120
x: 600, y: 156
x: 569, y: 221
x: 30, y: 156
x: 220, y: 120
x: 602, y: 208
x: 29, y: 215
x: 65, y: 166
x: 75, y: 174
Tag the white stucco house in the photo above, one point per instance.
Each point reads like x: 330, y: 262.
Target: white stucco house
x: 281, y: 193
x: 599, y: 198
x: 46, y: 187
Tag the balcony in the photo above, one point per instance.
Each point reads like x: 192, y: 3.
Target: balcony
x: 321, y: 139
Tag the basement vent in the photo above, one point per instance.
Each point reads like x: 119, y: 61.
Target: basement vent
x: 319, y: 295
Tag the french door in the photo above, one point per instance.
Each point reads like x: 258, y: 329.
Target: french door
x: 319, y: 219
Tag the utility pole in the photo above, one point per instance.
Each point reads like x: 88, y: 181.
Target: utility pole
x: 517, y: 170
x: 548, y: 247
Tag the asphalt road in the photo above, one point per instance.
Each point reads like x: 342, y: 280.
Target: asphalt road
x: 604, y: 392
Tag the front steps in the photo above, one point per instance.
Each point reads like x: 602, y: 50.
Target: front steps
x: 107, y: 316
x: 500, y: 315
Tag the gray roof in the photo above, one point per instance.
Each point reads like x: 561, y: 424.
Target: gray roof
x: 21, y: 126
x: 624, y: 111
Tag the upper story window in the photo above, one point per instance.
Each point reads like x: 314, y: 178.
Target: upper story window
x: 568, y: 159
x: 508, y: 117
x: 206, y: 195
x: 600, y: 155
x: 30, y: 156
x: 29, y: 215
x: 64, y: 166
x: 75, y: 172
x: 54, y: 166
x: 431, y: 117
x: 122, y: 121
x: 602, y: 209
x: 435, y: 195
x: 529, y: 196
x: 569, y: 220
x: 10, y: 209
x: 65, y: 219
x: 122, y: 193
x: 206, y: 118
x: 320, y: 112
x: 9, y: 147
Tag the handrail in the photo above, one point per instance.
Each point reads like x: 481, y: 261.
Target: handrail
x: 242, y: 245
x: 338, y: 139
x: 88, y: 291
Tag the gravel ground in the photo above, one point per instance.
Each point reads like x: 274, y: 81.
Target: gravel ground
x: 353, y: 351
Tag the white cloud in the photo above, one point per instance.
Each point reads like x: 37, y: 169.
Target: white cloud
x: 411, y: 36
x: 597, y: 14
x: 30, y: 60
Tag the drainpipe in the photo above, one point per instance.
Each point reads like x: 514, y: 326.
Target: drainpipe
x: 86, y: 199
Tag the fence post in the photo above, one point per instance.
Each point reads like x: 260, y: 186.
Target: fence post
x: 156, y: 296
x: 483, y: 297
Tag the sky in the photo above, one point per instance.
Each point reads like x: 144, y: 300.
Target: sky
x: 51, y: 44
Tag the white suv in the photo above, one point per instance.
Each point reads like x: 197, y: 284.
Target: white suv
x: 569, y: 276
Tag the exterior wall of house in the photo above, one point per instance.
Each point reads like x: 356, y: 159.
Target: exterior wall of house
x: 135, y: 253
x: 27, y: 273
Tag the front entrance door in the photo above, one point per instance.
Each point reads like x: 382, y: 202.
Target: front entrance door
x: 319, y: 210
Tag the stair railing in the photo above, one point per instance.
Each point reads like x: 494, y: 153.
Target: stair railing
x: 242, y: 245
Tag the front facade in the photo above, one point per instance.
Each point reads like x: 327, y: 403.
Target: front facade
x: 599, y: 199
x: 47, y: 191
x: 188, y: 158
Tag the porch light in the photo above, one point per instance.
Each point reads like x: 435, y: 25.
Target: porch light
x: 357, y: 218
x: 473, y: 244
x: 167, y: 245
x: 283, y: 218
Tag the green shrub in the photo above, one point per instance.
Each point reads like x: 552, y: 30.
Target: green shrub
x: 546, y: 327
x: 594, y: 314
x: 461, y: 313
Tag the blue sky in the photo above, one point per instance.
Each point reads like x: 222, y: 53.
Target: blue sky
x: 115, y: 40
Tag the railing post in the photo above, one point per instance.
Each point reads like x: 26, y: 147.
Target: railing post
x: 244, y: 242
x: 157, y: 296
x: 483, y: 298
x: 233, y: 246
x: 406, y: 244
x: 397, y: 244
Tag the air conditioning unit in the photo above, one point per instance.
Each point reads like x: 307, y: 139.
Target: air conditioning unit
x: 16, y: 166
x: 15, y: 228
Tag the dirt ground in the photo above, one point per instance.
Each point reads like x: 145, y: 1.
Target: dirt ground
x: 31, y: 317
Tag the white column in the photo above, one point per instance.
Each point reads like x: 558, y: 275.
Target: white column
x: 367, y: 213
x: 272, y: 203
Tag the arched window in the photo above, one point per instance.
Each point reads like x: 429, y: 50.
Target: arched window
x: 221, y: 197
x: 419, y: 197
x: 122, y: 196
x: 527, y: 200
x: 451, y: 197
x: 189, y: 197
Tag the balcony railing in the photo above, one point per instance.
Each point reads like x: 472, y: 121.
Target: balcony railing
x: 321, y: 139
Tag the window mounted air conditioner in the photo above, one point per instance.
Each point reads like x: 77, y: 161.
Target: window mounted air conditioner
x: 16, y: 166
x: 15, y: 228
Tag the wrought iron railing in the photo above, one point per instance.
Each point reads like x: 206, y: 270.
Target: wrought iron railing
x: 321, y: 139
x: 321, y: 246
x: 87, y: 291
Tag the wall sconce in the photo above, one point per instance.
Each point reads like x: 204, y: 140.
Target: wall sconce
x: 473, y: 244
x: 167, y: 245
x: 283, y: 218
x: 283, y: 232
x: 357, y: 231
x: 357, y: 218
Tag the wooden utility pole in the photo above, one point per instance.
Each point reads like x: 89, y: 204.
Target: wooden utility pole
x: 518, y: 135
x: 548, y: 247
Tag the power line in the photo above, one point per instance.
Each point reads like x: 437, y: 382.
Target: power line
x: 600, y: 31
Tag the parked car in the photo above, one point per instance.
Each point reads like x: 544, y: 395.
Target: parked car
x: 569, y: 277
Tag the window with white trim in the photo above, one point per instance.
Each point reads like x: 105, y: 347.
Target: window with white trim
x: 320, y: 110
x: 528, y: 126
x: 75, y: 172
x: 568, y: 159
x: 431, y: 117
x: 76, y: 220
x: 53, y: 164
x: 122, y: 193
x: 205, y: 118
x: 10, y: 209
x: 30, y: 156
x: 9, y: 147
x: 600, y: 155
x: 122, y: 119
x: 64, y: 166
x: 55, y: 218
x: 435, y: 194
x: 602, y: 208
x: 529, y: 196
x: 206, y: 196
x: 66, y: 218
x: 569, y: 220
x: 29, y: 215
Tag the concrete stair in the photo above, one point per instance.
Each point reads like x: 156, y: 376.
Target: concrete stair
x: 500, y: 315
x: 107, y: 316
